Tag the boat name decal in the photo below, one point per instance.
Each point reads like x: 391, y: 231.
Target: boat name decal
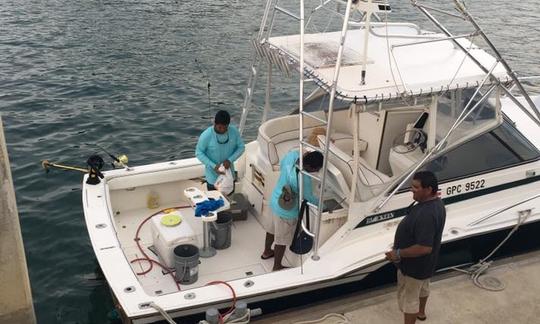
x: 379, y: 218
x: 465, y: 187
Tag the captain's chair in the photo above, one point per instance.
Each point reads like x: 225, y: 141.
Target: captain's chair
x: 367, y: 176
x: 410, y: 151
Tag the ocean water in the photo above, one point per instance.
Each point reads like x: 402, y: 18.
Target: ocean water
x: 132, y: 76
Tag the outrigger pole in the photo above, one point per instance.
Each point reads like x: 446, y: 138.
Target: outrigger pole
x: 466, y: 16
x: 46, y: 165
x: 461, y: 8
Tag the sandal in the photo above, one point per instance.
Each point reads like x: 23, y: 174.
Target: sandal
x: 421, y: 318
x: 266, y: 257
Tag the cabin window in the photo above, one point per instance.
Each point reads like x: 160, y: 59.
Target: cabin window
x: 502, y: 147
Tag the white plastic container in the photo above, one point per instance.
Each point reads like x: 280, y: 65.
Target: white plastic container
x: 166, y: 238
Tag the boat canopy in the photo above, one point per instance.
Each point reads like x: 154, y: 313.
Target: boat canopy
x: 402, y: 60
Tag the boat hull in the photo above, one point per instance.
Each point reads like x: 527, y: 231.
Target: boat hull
x: 459, y: 252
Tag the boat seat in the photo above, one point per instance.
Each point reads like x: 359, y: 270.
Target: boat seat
x: 401, y: 162
x: 345, y: 163
x: 280, y: 135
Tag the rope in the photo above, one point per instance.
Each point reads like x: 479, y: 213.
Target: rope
x: 476, y: 270
x: 167, y: 317
x: 341, y: 317
x: 241, y: 320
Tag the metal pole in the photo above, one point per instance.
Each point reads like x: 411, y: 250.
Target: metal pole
x: 253, y: 72
x: 366, y: 38
x: 301, y: 108
x: 267, y: 105
x: 447, y: 33
x: 315, y: 255
x: 508, y: 69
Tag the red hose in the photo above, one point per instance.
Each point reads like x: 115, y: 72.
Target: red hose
x: 146, y: 257
x: 161, y: 265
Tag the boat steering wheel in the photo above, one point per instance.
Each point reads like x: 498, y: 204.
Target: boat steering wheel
x: 417, y: 138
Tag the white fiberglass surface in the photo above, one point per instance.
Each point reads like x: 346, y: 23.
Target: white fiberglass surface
x: 240, y: 260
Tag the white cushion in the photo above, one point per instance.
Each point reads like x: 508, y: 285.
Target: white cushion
x: 345, y: 143
x: 279, y: 135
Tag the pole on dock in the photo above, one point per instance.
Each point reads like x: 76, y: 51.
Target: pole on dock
x: 15, y: 294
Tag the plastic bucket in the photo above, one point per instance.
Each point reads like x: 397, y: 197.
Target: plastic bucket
x: 186, y: 263
x: 221, y: 231
x: 239, y: 207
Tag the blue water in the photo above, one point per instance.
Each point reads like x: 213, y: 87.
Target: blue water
x: 124, y: 75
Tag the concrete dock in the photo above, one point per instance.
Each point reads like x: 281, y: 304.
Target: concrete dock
x: 454, y: 299
x: 15, y: 293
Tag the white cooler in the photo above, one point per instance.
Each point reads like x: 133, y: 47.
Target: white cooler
x: 166, y: 238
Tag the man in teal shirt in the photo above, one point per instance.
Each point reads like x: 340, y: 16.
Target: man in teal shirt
x: 284, y: 221
x: 220, y: 144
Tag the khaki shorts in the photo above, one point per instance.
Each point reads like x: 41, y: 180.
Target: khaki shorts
x: 283, y: 229
x: 409, y: 291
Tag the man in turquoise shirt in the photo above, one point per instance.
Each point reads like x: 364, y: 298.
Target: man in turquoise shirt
x: 284, y: 221
x: 220, y: 144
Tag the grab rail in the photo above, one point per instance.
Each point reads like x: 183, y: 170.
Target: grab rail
x: 502, y: 210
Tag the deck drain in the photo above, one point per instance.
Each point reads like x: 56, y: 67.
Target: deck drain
x: 491, y: 283
x: 189, y: 296
x: 248, y: 283
x: 100, y: 226
x: 129, y: 289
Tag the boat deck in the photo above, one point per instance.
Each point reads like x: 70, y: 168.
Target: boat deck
x: 240, y: 260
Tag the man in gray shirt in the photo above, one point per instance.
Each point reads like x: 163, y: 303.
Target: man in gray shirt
x: 416, y: 246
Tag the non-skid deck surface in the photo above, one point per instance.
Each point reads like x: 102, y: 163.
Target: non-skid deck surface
x: 240, y: 260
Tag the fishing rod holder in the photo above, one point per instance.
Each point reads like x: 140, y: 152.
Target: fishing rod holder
x: 95, y: 164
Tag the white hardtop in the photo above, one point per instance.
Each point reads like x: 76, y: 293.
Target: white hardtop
x: 391, y: 71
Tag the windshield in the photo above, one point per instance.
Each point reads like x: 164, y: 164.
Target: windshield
x: 481, y: 114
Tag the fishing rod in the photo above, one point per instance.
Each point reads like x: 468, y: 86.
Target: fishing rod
x: 205, y: 75
x: 118, y: 161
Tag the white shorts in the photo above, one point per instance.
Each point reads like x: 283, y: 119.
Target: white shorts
x: 283, y: 229
x: 409, y: 292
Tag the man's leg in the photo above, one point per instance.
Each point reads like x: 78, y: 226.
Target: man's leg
x: 409, y: 318
x: 268, y: 252
x: 408, y: 297
x: 424, y: 293
x: 279, y: 251
x: 422, y: 311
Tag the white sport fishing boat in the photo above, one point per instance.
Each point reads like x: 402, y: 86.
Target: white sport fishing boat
x: 395, y: 98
